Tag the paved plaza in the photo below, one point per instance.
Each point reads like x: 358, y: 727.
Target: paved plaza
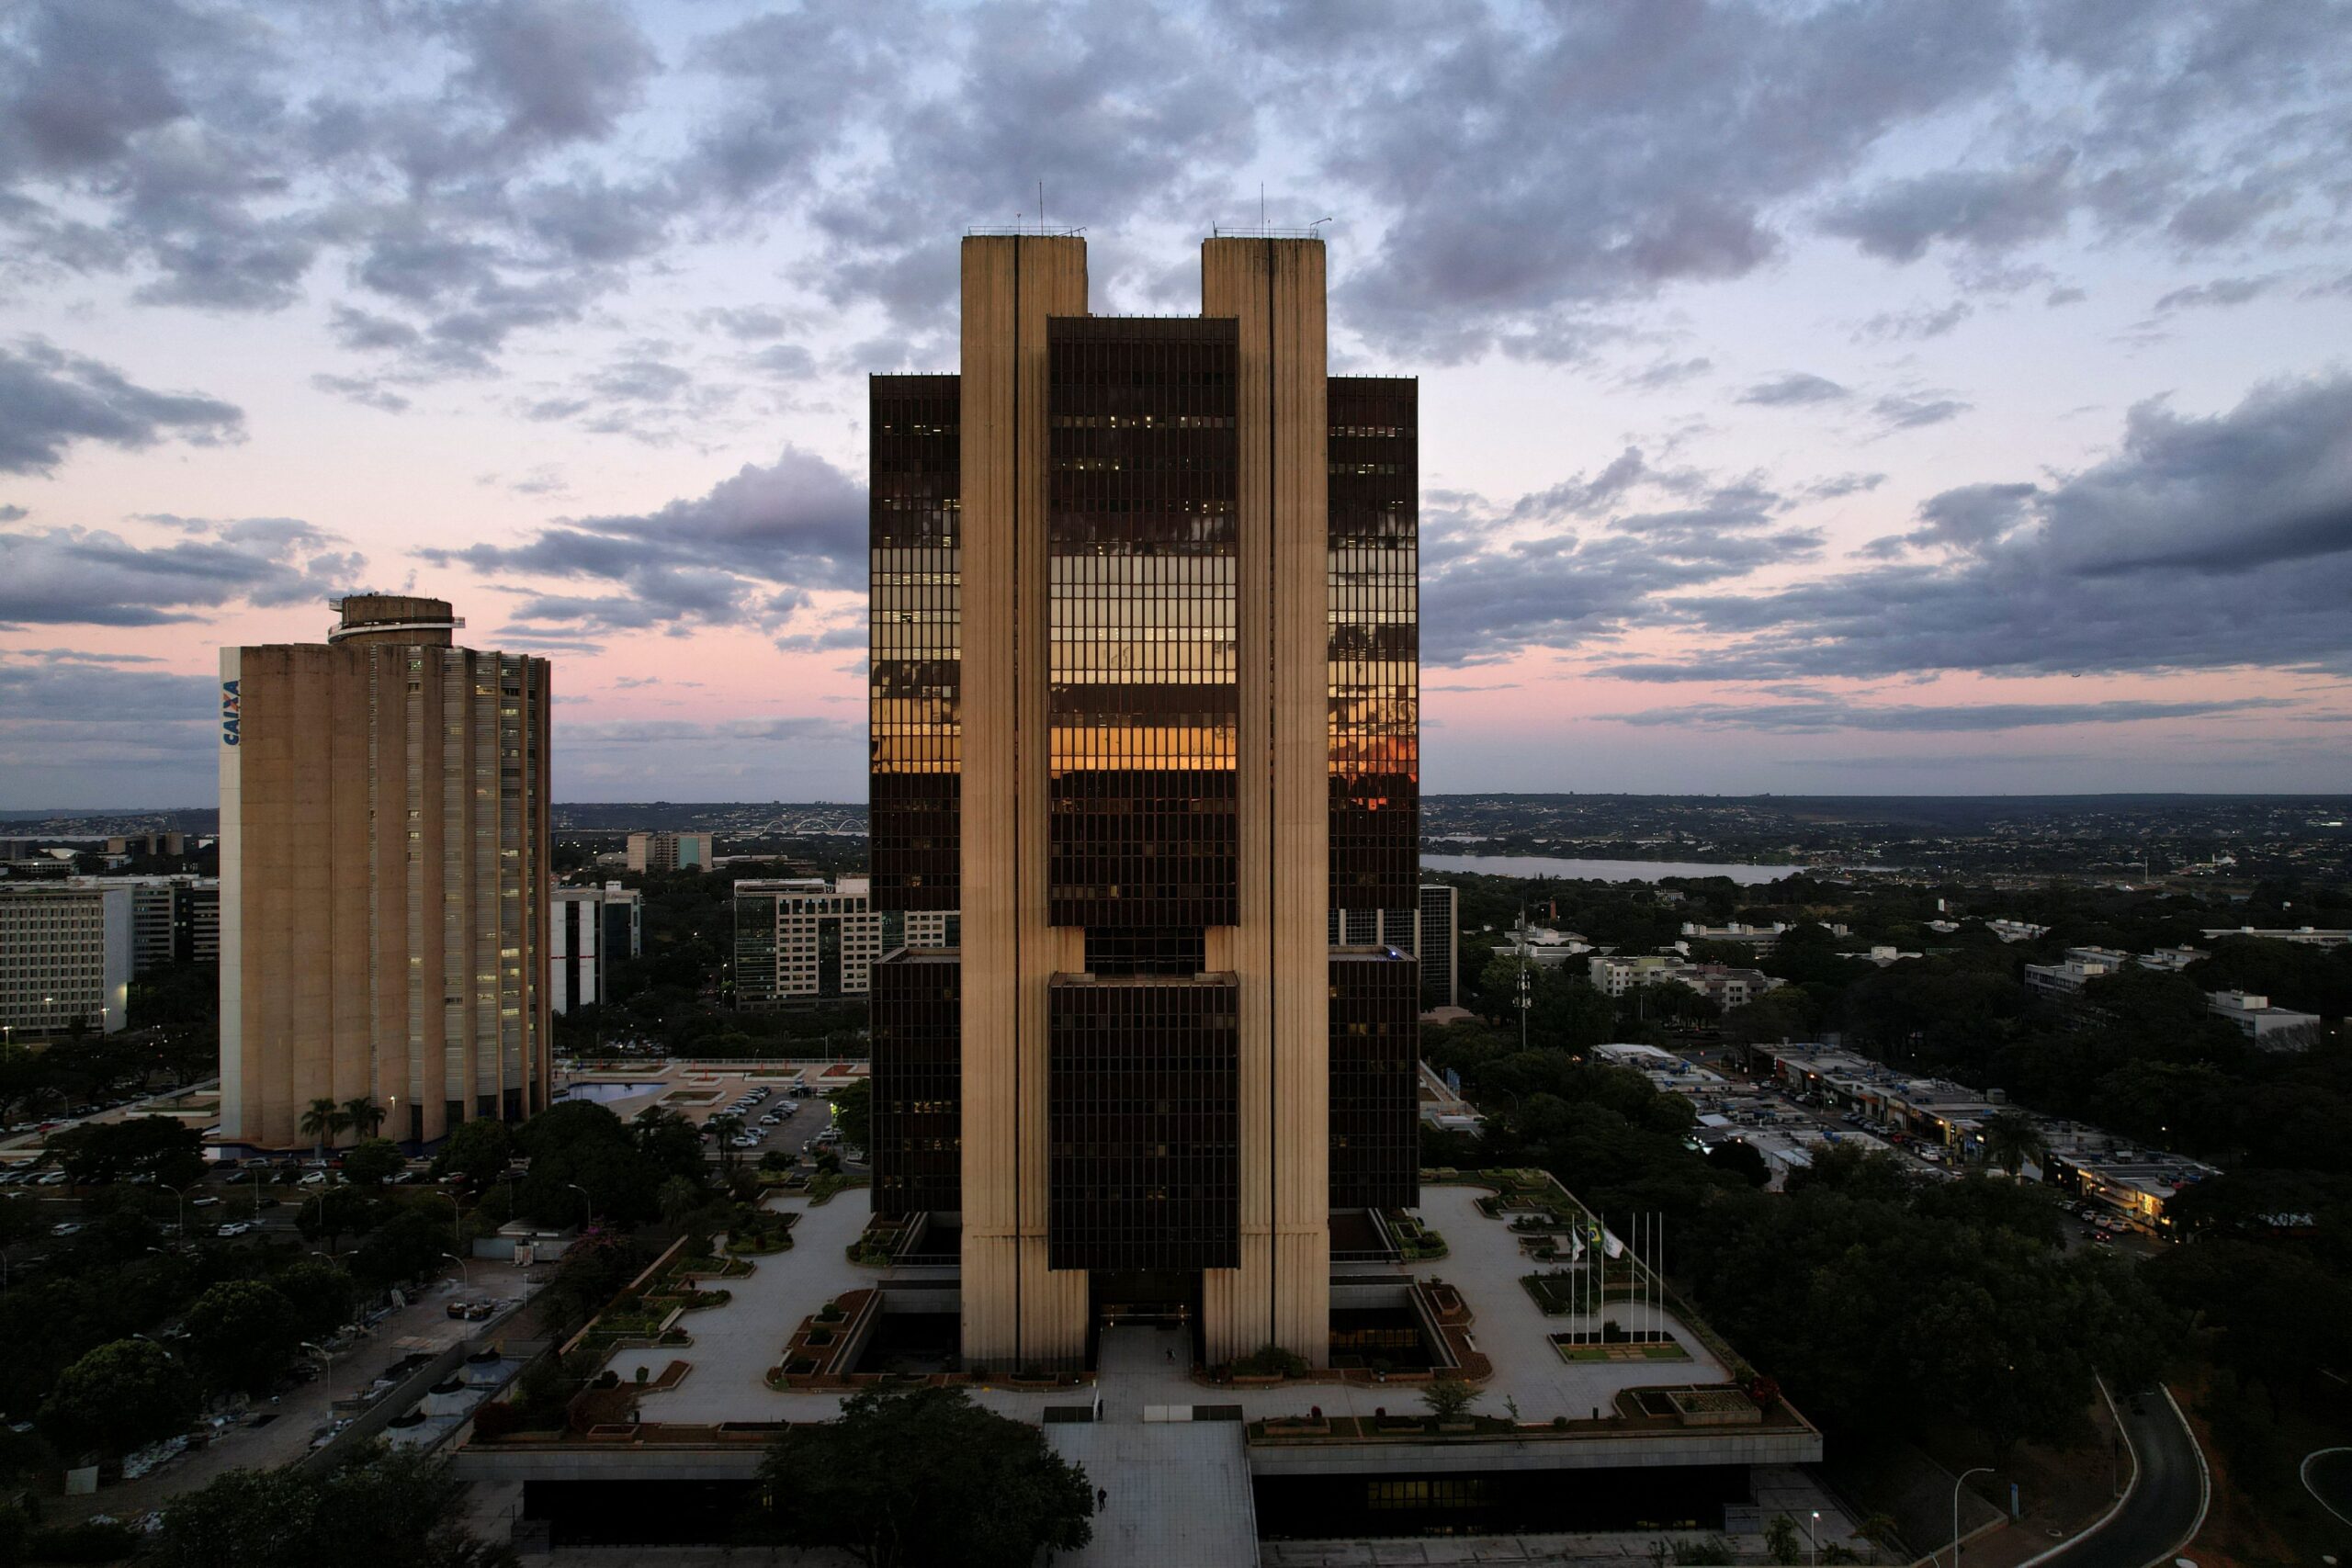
x: 735, y: 1344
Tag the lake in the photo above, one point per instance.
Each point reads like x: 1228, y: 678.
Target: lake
x: 1603, y: 870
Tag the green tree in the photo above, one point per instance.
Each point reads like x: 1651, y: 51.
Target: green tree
x: 2012, y: 1139
x: 725, y: 1129
x: 476, y: 1150
x: 927, y: 1477
x: 580, y: 1144
x: 334, y: 1211
x: 120, y: 1395
x: 383, y: 1508
x: 408, y: 1245
x: 671, y: 1143
x: 1448, y: 1396
x: 21, y: 1219
x: 323, y: 1122
x: 593, y: 1271
x: 853, y: 1113
x: 244, y: 1333
x: 1743, y: 1160
x: 96, y: 1154
x: 372, y: 1162
x: 364, y: 1115
x: 320, y: 1293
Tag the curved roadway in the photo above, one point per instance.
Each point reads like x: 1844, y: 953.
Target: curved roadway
x: 2167, y: 1499
x: 2327, y: 1475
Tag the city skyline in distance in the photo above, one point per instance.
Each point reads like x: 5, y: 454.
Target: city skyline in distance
x: 1801, y: 412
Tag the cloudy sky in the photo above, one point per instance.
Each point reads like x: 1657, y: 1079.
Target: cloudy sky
x: 1863, y: 397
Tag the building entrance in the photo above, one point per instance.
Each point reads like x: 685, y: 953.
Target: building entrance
x: 1148, y: 1298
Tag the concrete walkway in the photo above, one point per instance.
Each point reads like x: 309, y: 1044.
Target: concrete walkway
x: 1178, y: 1492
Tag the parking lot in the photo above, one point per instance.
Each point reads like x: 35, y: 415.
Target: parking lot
x: 1763, y: 1114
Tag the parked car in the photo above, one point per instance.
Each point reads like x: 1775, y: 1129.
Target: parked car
x: 234, y: 1228
x: 66, y: 1227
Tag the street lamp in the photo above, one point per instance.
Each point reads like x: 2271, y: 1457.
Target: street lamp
x: 584, y: 1198
x: 183, y: 1201
x: 326, y: 1370
x: 1980, y: 1470
x: 461, y: 1270
x: 456, y: 1213
x: 1812, y: 1538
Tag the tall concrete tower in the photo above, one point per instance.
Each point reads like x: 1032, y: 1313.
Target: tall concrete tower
x: 1146, y: 708
x: 383, y: 876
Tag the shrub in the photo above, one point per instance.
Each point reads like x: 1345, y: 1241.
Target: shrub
x: 1269, y: 1361
x: 82, y: 1543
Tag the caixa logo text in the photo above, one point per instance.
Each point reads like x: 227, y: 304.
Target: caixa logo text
x: 228, y: 713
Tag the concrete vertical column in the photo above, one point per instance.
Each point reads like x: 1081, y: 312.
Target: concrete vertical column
x: 238, y: 1116
x: 1281, y: 1292
x: 1016, y: 1312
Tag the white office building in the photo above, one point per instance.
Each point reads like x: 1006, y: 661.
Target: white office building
x: 2254, y: 1017
x: 65, y: 958
x: 800, y: 938
x: 588, y: 930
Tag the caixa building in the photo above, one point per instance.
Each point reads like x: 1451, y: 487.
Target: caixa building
x: 1144, y: 708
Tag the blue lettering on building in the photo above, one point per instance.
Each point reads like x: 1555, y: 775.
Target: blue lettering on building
x: 229, y: 712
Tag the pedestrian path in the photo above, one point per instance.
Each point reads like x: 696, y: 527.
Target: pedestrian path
x: 1177, y: 1493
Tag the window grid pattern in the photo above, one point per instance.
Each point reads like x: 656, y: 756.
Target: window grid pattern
x: 1143, y: 622
x: 1440, y: 910
x: 52, y: 959
x: 1376, y: 1157
x: 1142, y: 1119
x: 917, y: 1105
x: 915, y: 640
x: 1374, y: 600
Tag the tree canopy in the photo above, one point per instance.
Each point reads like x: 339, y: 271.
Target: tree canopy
x: 119, y: 1396
x: 927, y: 1477
x: 99, y: 1153
x: 245, y: 1333
x: 383, y: 1508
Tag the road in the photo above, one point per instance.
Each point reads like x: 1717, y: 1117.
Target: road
x: 2327, y: 1475
x: 2167, y: 1499
x: 290, y: 1421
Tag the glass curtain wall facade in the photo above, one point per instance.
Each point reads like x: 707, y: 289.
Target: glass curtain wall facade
x: 1119, y: 722
x: 916, y: 642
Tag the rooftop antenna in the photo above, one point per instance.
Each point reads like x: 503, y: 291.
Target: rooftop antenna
x: 1041, y: 204
x: 1318, y: 223
x: 1261, y: 204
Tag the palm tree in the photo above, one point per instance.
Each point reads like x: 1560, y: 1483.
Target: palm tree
x: 2011, y: 1139
x: 365, y: 1114
x: 727, y: 1127
x: 323, y: 1121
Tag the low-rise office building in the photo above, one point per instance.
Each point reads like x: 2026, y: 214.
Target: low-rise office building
x: 2253, y: 1016
x: 2138, y: 1183
x: 65, y: 957
x: 2015, y: 930
x: 1934, y: 1108
x: 2306, y: 936
x: 666, y: 851
x: 148, y: 844
x: 588, y: 928
x: 1727, y: 986
x: 2081, y: 966
x: 800, y: 938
